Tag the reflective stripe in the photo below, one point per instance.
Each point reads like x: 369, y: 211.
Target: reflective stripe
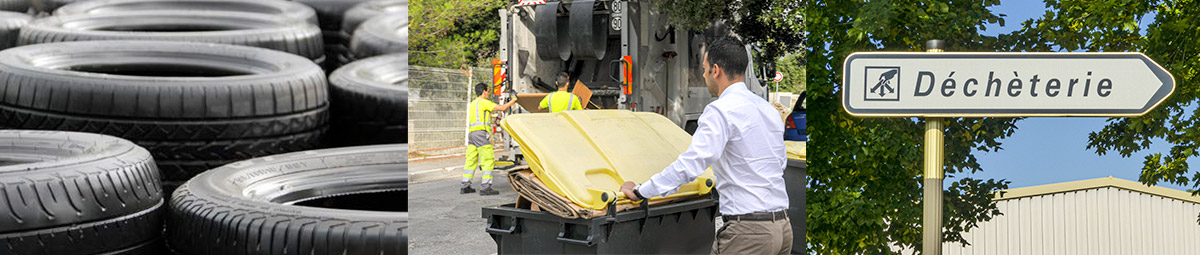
x: 570, y: 99
x: 476, y: 124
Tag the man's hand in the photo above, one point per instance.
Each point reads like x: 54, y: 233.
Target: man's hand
x: 627, y: 188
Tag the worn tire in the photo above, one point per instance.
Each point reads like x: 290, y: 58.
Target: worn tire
x: 75, y: 193
x: 383, y: 34
x: 247, y: 207
x: 370, y: 101
x: 269, y: 102
x: 362, y: 12
x: 10, y: 28
x: 258, y: 30
x: 282, y: 8
x: 20, y: 6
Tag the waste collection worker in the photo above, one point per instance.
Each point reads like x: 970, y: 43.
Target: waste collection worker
x: 562, y: 99
x: 479, y: 146
x: 740, y: 136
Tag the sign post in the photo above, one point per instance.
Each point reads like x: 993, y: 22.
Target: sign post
x: 936, y: 84
x: 931, y: 218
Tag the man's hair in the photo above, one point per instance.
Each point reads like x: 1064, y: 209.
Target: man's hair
x: 481, y: 88
x: 565, y: 78
x: 729, y: 53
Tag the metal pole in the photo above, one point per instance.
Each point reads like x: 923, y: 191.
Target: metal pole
x: 931, y: 221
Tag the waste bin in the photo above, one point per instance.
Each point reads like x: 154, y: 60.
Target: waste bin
x: 678, y: 228
x: 795, y: 178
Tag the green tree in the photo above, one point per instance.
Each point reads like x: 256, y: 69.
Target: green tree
x: 776, y: 25
x: 1171, y: 41
x: 865, y: 174
x: 454, y: 33
x: 792, y: 68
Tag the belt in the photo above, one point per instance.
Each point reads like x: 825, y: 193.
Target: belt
x: 758, y: 216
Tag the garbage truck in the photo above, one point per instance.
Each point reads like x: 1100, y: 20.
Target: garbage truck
x: 629, y: 56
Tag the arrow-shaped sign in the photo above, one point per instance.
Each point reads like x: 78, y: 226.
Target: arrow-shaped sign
x: 978, y: 84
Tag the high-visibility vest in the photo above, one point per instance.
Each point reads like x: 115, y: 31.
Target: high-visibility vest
x: 479, y: 114
x: 570, y: 104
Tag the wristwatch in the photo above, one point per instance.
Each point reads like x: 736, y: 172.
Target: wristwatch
x: 638, y: 194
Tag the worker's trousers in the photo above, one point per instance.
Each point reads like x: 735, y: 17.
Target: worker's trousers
x: 480, y: 155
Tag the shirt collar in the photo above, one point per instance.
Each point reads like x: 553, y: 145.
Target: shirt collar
x: 729, y: 90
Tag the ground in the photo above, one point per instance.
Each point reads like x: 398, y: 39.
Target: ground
x: 449, y: 222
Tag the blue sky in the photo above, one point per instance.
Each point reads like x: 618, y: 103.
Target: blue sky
x: 1052, y: 150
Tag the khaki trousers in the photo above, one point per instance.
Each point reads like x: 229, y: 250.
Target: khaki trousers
x: 754, y: 237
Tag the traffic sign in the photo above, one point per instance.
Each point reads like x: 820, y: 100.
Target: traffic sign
x: 981, y: 84
x: 778, y: 77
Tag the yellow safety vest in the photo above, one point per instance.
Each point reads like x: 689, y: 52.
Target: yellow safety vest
x: 479, y: 114
x: 562, y: 101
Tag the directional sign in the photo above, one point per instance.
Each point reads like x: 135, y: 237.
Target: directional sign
x: 979, y: 84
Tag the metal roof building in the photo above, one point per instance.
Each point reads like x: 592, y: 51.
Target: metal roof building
x: 1097, y: 216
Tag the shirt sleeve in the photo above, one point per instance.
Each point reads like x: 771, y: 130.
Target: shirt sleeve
x: 546, y: 101
x: 578, y: 105
x: 707, y: 145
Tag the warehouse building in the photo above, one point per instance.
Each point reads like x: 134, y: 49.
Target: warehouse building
x: 1097, y: 216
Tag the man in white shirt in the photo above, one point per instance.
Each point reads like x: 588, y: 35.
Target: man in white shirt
x: 741, y: 136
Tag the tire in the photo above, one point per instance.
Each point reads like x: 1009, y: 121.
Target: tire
x: 239, y: 28
x: 10, y: 28
x: 48, y: 6
x: 331, y: 12
x: 270, y: 102
x: 247, y: 207
x: 20, y: 6
x: 75, y: 193
x: 283, y: 8
x: 384, y: 34
x: 362, y: 12
x: 370, y: 101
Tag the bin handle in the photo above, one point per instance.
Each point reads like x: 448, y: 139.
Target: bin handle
x: 510, y: 230
x: 562, y: 233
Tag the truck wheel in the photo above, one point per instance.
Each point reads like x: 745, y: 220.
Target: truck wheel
x: 336, y: 201
x: 284, y: 8
x: 190, y: 104
x: 20, y: 6
x: 10, y: 27
x: 362, y: 12
x: 75, y: 193
x: 258, y: 30
x: 370, y: 101
x: 383, y: 34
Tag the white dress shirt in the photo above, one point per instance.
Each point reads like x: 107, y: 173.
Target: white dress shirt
x: 741, y: 137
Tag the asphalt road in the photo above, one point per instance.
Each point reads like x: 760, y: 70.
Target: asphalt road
x: 446, y: 222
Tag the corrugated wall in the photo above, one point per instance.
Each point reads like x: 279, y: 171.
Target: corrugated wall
x: 1093, y: 222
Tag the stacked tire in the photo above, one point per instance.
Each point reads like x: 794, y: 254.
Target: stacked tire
x: 77, y: 193
x: 334, y: 201
x: 370, y: 102
x: 361, y: 13
x: 330, y: 14
x: 195, y: 106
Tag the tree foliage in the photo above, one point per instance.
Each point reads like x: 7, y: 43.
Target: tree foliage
x: 1171, y: 41
x: 792, y: 68
x: 865, y: 174
x: 777, y: 25
x: 454, y: 33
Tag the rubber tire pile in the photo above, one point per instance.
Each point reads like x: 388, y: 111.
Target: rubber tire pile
x: 232, y: 105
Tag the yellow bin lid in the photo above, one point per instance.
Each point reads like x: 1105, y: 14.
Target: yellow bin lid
x: 796, y: 150
x: 587, y: 155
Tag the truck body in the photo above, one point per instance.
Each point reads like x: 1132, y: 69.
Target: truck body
x: 627, y: 53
